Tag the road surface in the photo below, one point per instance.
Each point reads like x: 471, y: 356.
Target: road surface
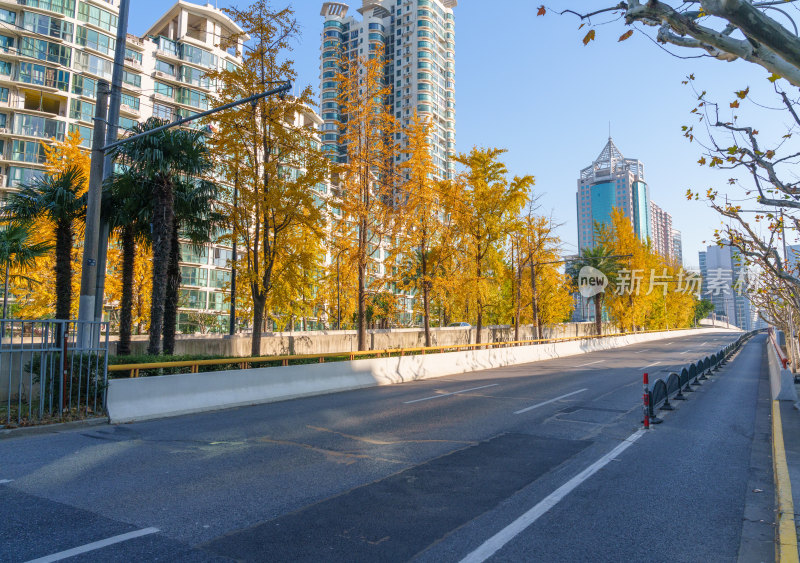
x: 538, y: 462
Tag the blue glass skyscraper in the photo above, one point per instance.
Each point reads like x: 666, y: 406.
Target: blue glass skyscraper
x: 612, y: 181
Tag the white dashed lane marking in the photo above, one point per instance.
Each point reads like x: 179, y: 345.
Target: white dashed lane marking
x: 550, y: 401
x: 448, y: 394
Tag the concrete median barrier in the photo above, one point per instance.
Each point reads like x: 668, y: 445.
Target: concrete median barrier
x: 170, y: 395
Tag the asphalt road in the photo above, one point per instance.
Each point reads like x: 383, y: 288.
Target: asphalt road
x: 539, y: 462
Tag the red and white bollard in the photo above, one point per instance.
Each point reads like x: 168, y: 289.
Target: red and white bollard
x: 646, y: 401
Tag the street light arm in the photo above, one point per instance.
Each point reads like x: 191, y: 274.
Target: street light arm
x: 285, y: 87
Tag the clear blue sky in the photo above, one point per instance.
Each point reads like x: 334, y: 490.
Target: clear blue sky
x: 528, y: 84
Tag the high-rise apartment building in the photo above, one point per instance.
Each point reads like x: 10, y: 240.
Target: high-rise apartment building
x: 612, y: 181
x: 52, y: 55
x: 418, y: 39
x: 661, y: 230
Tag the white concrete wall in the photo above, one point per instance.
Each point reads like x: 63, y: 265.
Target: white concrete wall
x: 322, y: 341
x: 781, y: 381
x: 171, y: 395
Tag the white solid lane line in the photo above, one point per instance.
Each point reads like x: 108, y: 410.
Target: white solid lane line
x: 550, y: 401
x: 641, y: 351
x: 590, y: 363
x: 448, y: 394
x: 94, y: 545
x: 501, y: 538
x: 650, y: 365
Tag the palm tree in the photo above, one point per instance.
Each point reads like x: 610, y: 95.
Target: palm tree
x: 164, y: 159
x: 18, y: 249
x: 601, y: 258
x: 56, y: 199
x: 127, y: 204
x: 195, y: 219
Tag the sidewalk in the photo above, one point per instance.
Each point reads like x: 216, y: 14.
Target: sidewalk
x: 785, y: 456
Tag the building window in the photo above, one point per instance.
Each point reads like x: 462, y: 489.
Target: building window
x: 130, y: 101
x: 192, y: 98
x: 198, y: 56
x: 165, y: 67
x: 192, y: 299
x: 132, y: 79
x: 6, y: 43
x: 222, y: 256
x: 162, y: 112
x: 81, y: 110
x: 95, y: 65
x: 8, y: 16
x: 95, y: 40
x: 18, y: 175
x: 96, y: 16
x: 191, y: 275
x: 66, y: 7
x: 164, y: 89
x: 195, y: 77
x: 132, y: 55
x: 43, y: 76
x: 84, y: 86
x: 35, y: 126
x: 86, y: 133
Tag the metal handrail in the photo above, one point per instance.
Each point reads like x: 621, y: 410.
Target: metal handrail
x: 781, y: 356
x: 285, y: 359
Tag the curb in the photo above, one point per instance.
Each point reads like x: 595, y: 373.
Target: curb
x: 785, y: 531
x: 9, y: 433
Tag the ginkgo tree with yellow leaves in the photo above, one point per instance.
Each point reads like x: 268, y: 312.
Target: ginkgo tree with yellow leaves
x: 426, y: 226
x: 544, y: 285
x: 268, y: 152
x: 647, y: 291
x: 366, y: 181
x: 485, y: 203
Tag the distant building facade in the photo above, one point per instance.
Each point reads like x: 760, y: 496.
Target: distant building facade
x: 418, y: 40
x: 661, y: 231
x: 725, y: 279
x: 677, y: 247
x: 613, y: 181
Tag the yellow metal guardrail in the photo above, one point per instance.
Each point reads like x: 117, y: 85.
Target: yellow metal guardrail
x: 244, y: 362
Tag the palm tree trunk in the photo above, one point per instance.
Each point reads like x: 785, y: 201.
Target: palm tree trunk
x: 171, y: 299
x: 163, y: 218
x: 126, y: 305
x: 598, y: 312
x: 63, y: 269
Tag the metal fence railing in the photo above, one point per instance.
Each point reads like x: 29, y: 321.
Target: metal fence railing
x: 52, y: 370
x: 231, y: 363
